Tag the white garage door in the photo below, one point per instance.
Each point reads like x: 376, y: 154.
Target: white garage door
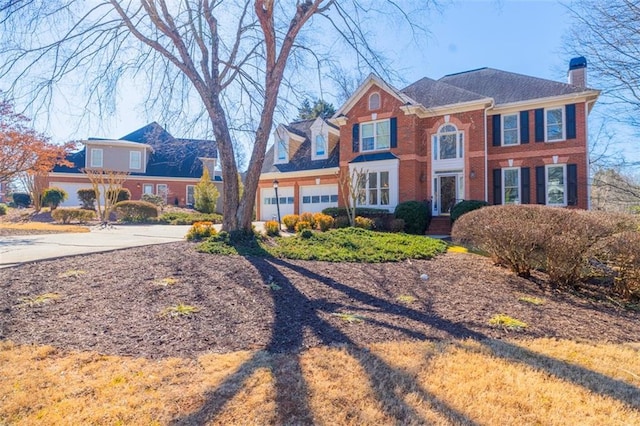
x: 72, y: 192
x: 314, y: 199
x: 269, y: 210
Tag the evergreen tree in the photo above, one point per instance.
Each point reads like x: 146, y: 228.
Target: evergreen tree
x: 206, y: 194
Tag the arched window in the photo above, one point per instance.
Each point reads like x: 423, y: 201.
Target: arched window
x: 374, y: 101
x: 448, y: 143
x: 320, y: 146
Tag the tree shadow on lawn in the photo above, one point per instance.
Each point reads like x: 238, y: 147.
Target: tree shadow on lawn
x: 282, y: 356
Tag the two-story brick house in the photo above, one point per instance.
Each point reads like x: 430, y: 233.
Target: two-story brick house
x: 484, y: 134
x: 156, y: 163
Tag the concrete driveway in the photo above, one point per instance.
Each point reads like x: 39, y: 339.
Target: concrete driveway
x: 15, y: 250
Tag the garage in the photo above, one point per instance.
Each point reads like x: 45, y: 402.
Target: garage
x: 71, y: 189
x: 315, y: 198
x: 269, y: 207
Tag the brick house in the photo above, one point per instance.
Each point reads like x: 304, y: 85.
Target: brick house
x: 484, y: 134
x: 157, y: 163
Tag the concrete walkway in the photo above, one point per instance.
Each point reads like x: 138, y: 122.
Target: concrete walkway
x: 15, y: 250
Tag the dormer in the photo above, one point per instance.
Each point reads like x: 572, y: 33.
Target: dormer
x: 285, y: 145
x: 323, y: 137
x: 116, y: 155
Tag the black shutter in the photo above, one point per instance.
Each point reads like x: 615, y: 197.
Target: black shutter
x: 393, y: 128
x: 572, y: 184
x: 355, y: 133
x: 539, y: 116
x: 497, y: 186
x: 496, y: 130
x: 570, y: 111
x: 541, y: 190
x: 524, y: 126
x: 525, y: 186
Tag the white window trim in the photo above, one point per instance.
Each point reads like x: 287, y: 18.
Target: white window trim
x: 503, y: 139
x: 131, y: 160
x: 93, y: 161
x: 391, y: 166
x: 375, y: 136
x: 186, y: 194
x: 519, y: 186
x: 564, y: 125
x: 564, y: 183
x: 314, y: 146
x: 435, y: 143
x: 147, y: 185
x: 379, y: 101
x: 166, y: 192
x: 276, y: 150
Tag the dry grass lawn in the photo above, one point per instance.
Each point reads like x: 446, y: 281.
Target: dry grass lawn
x: 8, y: 228
x: 540, y: 381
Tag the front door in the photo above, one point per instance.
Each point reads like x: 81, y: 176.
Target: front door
x: 449, y: 189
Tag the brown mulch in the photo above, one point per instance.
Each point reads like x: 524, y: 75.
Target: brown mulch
x: 282, y: 305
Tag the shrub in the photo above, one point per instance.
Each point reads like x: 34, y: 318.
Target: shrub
x: 153, y: 199
x: 87, y: 197
x: 466, y: 206
x: 183, y: 218
x: 3, y: 209
x: 360, y: 211
x: 21, y: 199
x: 306, y: 234
x: 200, y: 231
x: 63, y: 215
x: 323, y: 221
x: 363, y: 222
x: 135, y: 211
x: 308, y: 217
x: 123, y: 194
x: 52, y: 197
x: 341, y: 222
x: 272, y: 227
x: 396, y: 225
x: 416, y: 216
x: 205, y: 194
x: 621, y: 253
x: 290, y: 221
x: 302, y: 224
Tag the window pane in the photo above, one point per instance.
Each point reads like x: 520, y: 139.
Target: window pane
x: 382, y: 134
x: 267, y: 200
x: 373, y: 196
x: 315, y: 199
x: 283, y: 200
x: 447, y: 147
x: 334, y: 198
x: 510, y: 121
x: 320, y: 145
x: 448, y: 128
x: 306, y: 199
x: 374, y: 101
x: 510, y: 178
x: 554, y: 124
x: 511, y: 196
x: 289, y: 200
x: 274, y: 200
x: 555, y: 185
x: 282, y: 150
x: 324, y: 198
x: 384, y: 196
x: 384, y: 179
x: 373, y: 180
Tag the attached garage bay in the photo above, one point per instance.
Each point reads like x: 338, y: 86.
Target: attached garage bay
x: 269, y: 208
x: 315, y: 198
x: 72, y: 191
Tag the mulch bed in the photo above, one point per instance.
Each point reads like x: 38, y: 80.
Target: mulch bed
x: 282, y: 305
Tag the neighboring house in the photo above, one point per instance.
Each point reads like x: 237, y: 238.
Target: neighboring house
x: 484, y: 134
x: 304, y: 160
x: 157, y: 163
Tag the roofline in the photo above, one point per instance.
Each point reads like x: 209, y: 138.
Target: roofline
x: 585, y: 95
x: 463, y: 72
x: 120, y: 142
x: 423, y: 112
x: 300, y: 173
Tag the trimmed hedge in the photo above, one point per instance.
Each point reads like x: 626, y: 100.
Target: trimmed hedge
x: 21, y: 199
x: 123, y: 194
x: 466, y: 206
x: 53, y: 196
x: 68, y: 215
x: 87, y: 197
x: 135, y: 211
x: 416, y: 216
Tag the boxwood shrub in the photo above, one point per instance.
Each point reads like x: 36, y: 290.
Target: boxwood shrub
x: 135, y: 211
x: 21, y: 199
x: 416, y: 216
x: 68, y: 215
x: 466, y: 206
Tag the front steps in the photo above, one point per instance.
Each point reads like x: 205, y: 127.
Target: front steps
x: 440, y: 225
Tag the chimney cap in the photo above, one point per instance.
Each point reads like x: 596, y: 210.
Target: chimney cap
x: 577, y: 63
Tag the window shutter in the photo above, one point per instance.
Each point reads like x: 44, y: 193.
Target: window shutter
x: 393, y: 128
x: 524, y: 126
x: 572, y: 184
x: 541, y: 197
x: 525, y: 186
x: 496, y: 130
x: 497, y: 186
x: 355, y: 133
x: 570, y: 112
x: 539, y: 116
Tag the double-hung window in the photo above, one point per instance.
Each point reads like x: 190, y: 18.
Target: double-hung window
x: 511, y: 185
x: 96, y: 157
x: 554, y: 124
x: 556, y: 185
x: 510, y: 129
x: 373, y: 189
x: 375, y: 135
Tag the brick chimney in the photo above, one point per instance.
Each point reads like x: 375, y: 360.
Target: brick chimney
x: 577, y: 75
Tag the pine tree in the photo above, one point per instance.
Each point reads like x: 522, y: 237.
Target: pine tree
x: 206, y: 194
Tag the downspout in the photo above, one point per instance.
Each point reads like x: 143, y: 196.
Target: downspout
x: 586, y: 137
x: 486, y: 153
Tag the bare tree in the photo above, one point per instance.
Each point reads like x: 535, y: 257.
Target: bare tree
x: 232, y: 56
x: 608, y: 34
x: 106, y: 184
x: 352, y: 186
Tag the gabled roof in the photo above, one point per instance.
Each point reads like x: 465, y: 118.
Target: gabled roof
x: 508, y: 87
x: 171, y: 157
x: 432, y: 94
x: 301, y: 159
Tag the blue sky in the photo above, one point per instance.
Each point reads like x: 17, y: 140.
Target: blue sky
x: 513, y: 35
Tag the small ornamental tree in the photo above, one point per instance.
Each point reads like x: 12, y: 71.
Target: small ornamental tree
x: 205, y: 194
x: 52, y: 197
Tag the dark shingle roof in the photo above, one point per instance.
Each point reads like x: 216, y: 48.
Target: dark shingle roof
x: 431, y: 93
x: 171, y: 157
x: 301, y: 159
x: 506, y: 87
